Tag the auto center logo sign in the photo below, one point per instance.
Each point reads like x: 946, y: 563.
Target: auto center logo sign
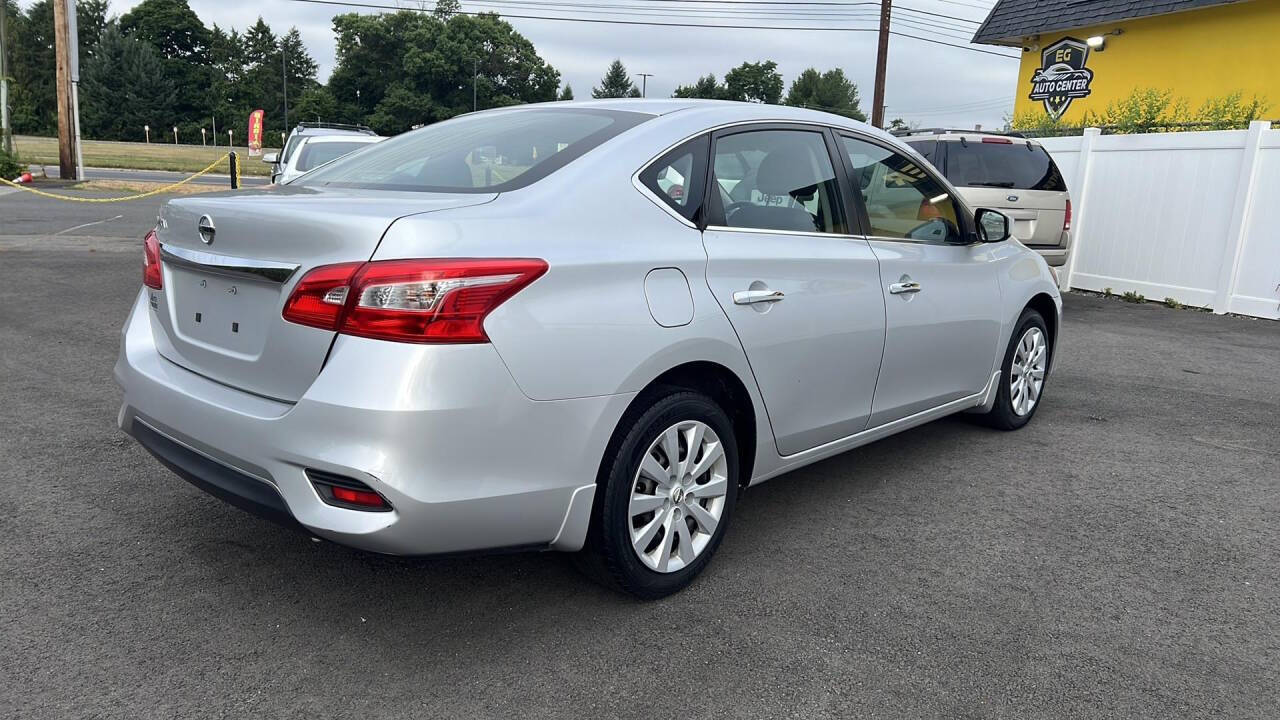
x: 1062, y: 76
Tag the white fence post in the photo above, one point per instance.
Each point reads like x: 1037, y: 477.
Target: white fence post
x: 1239, y: 217
x: 1078, y: 207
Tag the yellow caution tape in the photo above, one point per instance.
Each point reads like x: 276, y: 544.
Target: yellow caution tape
x: 157, y: 191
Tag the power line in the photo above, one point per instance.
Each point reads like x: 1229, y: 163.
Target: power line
x: 374, y: 6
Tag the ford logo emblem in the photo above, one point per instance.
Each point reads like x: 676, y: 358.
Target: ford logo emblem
x: 1012, y: 198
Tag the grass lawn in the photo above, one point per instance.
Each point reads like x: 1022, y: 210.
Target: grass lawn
x: 139, y: 156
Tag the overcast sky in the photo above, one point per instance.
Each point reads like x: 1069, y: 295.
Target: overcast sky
x: 929, y: 84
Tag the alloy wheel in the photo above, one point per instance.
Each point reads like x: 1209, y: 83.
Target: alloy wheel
x: 678, y: 496
x: 1026, y: 373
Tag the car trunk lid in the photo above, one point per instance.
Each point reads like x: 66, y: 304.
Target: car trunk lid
x: 231, y: 260
x: 1037, y: 215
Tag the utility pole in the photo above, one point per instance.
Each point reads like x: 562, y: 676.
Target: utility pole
x: 284, y: 76
x: 6, y: 137
x: 882, y: 60
x: 62, y: 83
x: 644, y: 83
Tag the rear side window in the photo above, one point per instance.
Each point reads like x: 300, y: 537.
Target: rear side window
x: 776, y: 180
x: 680, y: 176
x: 315, y: 154
x: 1013, y: 164
x: 485, y: 152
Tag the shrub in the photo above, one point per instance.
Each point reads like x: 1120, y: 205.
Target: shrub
x: 10, y: 166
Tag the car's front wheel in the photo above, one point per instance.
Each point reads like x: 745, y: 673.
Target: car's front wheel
x: 666, y: 495
x: 1023, y: 374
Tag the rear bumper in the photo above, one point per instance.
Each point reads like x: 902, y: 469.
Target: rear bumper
x: 465, y: 459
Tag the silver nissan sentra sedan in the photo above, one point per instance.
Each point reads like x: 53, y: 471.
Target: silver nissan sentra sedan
x: 584, y: 327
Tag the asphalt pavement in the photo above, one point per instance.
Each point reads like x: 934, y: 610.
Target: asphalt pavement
x: 1119, y: 557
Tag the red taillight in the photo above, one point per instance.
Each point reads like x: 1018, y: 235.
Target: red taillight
x: 997, y: 141
x: 151, y: 275
x: 320, y: 296
x: 1066, y: 219
x: 423, y: 301
x: 358, y: 497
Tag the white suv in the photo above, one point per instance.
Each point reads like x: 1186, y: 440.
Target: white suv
x: 1008, y: 173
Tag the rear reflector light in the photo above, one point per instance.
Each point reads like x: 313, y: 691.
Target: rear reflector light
x: 151, y: 275
x: 358, y: 497
x: 1066, y: 219
x: 422, y: 301
x: 998, y: 141
x: 346, y: 492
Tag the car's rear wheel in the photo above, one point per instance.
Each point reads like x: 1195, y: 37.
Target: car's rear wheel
x: 1023, y: 374
x: 665, y: 498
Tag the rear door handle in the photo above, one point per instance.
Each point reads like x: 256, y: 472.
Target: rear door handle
x: 750, y: 297
x: 899, y: 288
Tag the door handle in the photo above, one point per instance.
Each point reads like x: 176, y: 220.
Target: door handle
x: 750, y: 297
x: 899, y: 288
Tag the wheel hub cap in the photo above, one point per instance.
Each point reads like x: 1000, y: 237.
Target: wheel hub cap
x: 677, y: 496
x: 1027, y: 371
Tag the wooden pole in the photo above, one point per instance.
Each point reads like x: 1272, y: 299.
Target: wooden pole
x: 62, y: 83
x: 882, y: 62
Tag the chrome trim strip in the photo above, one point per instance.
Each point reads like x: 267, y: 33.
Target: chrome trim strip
x: 766, y: 231
x: 276, y: 272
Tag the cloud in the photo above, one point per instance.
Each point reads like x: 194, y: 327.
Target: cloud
x: 927, y: 83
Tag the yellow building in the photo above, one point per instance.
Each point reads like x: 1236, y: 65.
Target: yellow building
x: 1079, y: 56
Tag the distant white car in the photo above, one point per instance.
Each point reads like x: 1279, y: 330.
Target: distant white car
x: 315, y: 151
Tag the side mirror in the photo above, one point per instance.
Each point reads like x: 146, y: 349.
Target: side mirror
x: 271, y: 158
x: 992, y: 226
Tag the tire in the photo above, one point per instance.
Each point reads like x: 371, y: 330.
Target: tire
x: 634, y: 470
x: 1013, y: 407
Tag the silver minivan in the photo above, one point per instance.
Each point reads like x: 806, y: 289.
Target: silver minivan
x: 1012, y: 174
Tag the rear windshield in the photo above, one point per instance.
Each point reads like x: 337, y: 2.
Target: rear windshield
x: 487, y: 152
x: 1015, y: 165
x: 315, y: 154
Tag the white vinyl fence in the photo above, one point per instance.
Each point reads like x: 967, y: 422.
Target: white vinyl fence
x: 1193, y: 216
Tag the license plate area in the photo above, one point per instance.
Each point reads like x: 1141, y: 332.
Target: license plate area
x: 220, y: 313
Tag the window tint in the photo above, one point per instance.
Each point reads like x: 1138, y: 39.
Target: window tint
x: 484, y: 152
x: 926, y: 148
x: 315, y: 154
x: 776, y: 180
x: 901, y: 198
x: 1014, y: 164
x: 679, y: 177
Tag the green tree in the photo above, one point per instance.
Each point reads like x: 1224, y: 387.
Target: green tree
x: 566, y: 93
x: 32, y: 99
x: 182, y: 41
x: 316, y: 104
x: 171, y: 27
x: 830, y: 91
x: 616, y: 83
x: 446, y: 9
x: 706, y: 88
x: 897, y: 125
x: 754, y: 82
x: 402, y: 69
x: 124, y: 87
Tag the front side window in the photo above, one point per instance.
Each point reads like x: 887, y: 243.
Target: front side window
x: 485, y: 152
x: 776, y: 180
x: 902, y: 199
x: 678, y: 177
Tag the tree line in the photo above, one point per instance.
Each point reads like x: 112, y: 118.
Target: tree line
x: 159, y: 65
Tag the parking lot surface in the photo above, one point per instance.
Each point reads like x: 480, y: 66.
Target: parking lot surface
x: 1119, y: 557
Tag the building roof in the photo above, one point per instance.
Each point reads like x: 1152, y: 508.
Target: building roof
x: 1012, y: 20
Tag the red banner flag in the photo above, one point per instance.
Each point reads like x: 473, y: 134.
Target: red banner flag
x: 255, y: 132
